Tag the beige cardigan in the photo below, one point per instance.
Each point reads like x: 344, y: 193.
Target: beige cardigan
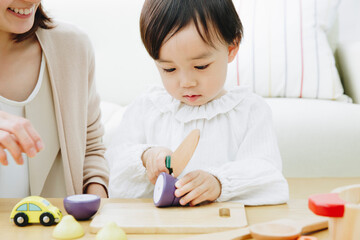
x: 70, y: 63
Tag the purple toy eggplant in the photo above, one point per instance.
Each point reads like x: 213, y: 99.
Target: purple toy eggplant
x: 164, y: 192
x: 82, y: 206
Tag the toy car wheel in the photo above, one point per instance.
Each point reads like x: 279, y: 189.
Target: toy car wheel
x: 21, y: 219
x: 47, y: 219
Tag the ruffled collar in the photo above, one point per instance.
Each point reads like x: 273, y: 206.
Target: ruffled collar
x: 185, y: 113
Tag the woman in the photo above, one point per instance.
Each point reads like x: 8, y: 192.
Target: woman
x: 49, y: 108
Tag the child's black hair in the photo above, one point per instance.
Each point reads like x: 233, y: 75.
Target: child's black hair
x: 159, y: 18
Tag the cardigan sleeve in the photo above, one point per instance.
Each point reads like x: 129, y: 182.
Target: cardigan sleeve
x: 95, y: 166
x: 128, y: 178
x: 255, y: 176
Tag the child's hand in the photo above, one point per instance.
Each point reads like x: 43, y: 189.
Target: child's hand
x: 197, y: 186
x: 154, y: 162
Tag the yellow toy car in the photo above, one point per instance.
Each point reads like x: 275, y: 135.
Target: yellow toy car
x: 35, y: 209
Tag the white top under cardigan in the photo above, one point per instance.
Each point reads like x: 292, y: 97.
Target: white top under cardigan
x: 237, y: 145
x: 14, y: 178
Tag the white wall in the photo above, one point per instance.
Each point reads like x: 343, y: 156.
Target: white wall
x: 113, y: 26
x: 349, y: 20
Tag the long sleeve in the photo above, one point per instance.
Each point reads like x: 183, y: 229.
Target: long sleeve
x: 95, y: 166
x: 255, y: 176
x: 237, y: 145
x: 128, y: 177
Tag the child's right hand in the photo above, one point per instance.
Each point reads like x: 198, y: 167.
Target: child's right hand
x: 154, y: 161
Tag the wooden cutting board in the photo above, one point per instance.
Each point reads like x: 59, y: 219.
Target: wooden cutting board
x: 144, y: 217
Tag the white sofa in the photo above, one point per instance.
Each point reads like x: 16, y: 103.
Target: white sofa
x: 317, y: 138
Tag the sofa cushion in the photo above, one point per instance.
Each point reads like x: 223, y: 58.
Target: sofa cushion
x: 317, y: 138
x: 285, y: 51
x: 111, y: 114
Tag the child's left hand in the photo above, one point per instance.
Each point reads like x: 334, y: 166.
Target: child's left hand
x: 197, y: 186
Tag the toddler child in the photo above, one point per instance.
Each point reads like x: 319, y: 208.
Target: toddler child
x: 237, y: 158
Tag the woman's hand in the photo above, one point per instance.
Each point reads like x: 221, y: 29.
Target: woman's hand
x: 17, y: 135
x: 196, y: 187
x: 154, y: 162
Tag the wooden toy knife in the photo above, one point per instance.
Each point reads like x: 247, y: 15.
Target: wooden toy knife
x: 182, y: 155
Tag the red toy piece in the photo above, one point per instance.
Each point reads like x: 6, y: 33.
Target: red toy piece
x: 327, y: 205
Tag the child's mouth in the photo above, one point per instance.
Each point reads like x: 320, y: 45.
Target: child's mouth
x: 192, y: 98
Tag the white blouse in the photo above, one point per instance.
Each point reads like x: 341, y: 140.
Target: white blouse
x: 237, y: 145
x: 14, y: 178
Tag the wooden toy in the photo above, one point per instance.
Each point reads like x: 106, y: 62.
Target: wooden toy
x: 164, y: 191
x: 111, y: 232
x: 68, y: 228
x: 143, y: 217
x: 35, y: 209
x: 82, y: 206
x: 183, y: 154
x: 307, y: 238
x: 342, y: 206
x: 165, y: 183
x: 287, y: 229
x: 282, y: 229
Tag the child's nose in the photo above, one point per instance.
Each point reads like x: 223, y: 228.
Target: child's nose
x: 187, y: 81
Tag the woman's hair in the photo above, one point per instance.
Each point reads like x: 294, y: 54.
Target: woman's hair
x: 41, y: 20
x: 159, y: 18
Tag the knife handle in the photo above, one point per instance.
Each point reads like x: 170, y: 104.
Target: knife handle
x: 168, y: 164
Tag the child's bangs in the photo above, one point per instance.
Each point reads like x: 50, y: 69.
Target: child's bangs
x: 214, y: 20
x: 206, y: 26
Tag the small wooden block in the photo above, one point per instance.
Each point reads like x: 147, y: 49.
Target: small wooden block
x: 327, y: 205
x: 224, y: 212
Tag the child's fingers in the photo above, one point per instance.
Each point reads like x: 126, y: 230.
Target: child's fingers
x: 195, y: 193
x: 156, y: 167
x: 155, y: 162
x: 186, y: 179
x: 189, y: 186
x: 202, y: 198
x: 161, y: 167
x: 151, y: 168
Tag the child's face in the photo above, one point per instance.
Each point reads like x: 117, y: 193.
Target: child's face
x: 191, y: 70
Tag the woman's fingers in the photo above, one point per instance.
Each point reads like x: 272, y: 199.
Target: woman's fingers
x: 23, y: 135
x: 26, y: 136
x: 9, y: 143
x: 3, y: 158
x: 35, y: 137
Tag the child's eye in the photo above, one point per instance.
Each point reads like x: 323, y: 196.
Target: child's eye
x: 202, y: 67
x: 169, y: 69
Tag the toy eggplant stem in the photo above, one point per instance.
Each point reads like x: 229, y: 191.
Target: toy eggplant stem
x: 168, y: 164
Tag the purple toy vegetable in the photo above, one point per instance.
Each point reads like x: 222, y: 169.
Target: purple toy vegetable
x: 82, y: 206
x: 164, y: 192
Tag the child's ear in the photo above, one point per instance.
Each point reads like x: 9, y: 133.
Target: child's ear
x: 233, y: 49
